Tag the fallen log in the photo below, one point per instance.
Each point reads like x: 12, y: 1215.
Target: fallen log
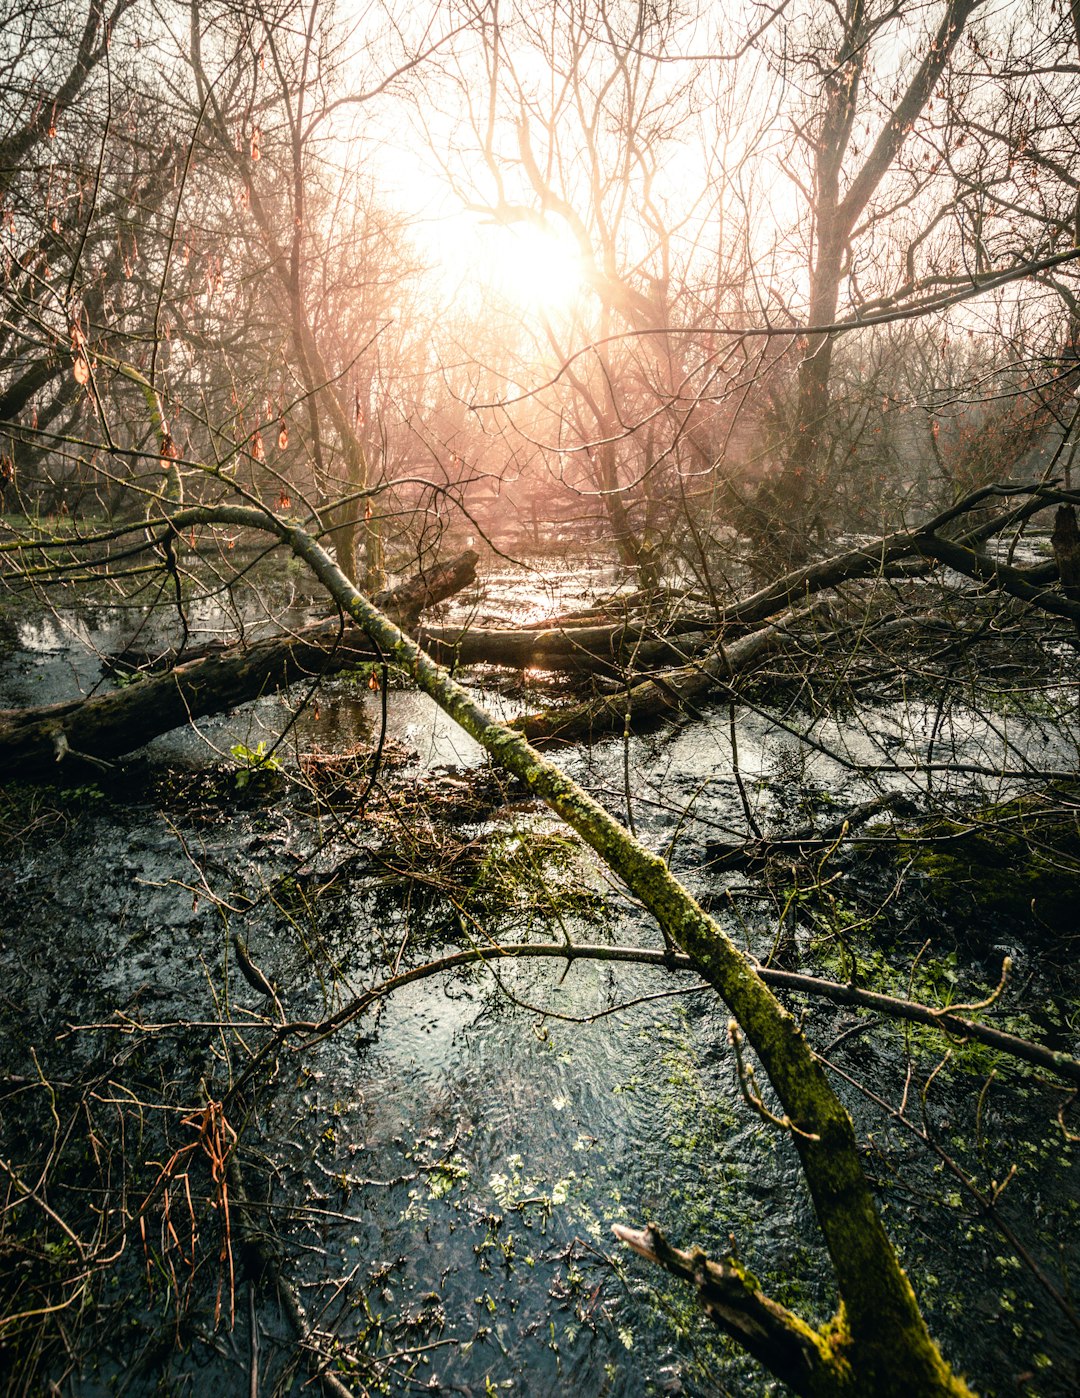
x: 912, y: 553
x: 665, y: 695
x: 610, y: 650
x: 100, y: 729
x: 1032, y: 585
x: 611, y: 647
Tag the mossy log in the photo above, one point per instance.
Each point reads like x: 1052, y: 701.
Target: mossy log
x: 807, y: 1360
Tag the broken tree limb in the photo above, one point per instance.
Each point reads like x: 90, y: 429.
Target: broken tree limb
x: 427, y: 588
x: 800, y: 1356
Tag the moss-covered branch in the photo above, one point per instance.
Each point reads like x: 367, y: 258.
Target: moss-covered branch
x: 887, y: 1344
x: 809, y: 1361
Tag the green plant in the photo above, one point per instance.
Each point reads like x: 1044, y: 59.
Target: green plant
x: 253, y: 762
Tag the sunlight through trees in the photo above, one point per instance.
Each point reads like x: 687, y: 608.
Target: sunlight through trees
x: 487, y: 484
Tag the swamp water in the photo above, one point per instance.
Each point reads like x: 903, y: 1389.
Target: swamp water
x: 438, y: 1179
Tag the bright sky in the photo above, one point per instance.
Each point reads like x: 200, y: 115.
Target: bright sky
x: 530, y: 266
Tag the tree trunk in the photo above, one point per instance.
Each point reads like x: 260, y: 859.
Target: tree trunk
x: 788, y: 500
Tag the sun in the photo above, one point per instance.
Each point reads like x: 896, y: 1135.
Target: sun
x: 517, y: 260
x: 531, y: 263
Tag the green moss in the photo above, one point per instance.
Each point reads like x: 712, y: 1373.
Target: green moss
x: 1016, y: 859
